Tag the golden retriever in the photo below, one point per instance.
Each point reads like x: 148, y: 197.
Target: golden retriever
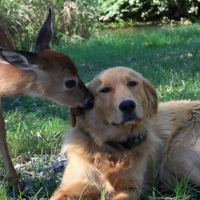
x: 113, y: 147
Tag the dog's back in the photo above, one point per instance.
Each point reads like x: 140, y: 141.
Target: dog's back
x: 178, y: 124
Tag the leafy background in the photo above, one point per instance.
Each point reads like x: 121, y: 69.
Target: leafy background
x: 74, y: 20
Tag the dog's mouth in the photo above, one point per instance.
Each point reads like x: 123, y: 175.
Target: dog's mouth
x: 127, y: 121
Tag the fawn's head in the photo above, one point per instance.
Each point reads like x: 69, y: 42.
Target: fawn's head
x: 56, y: 75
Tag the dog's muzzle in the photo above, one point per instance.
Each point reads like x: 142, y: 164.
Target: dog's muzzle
x: 127, y: 106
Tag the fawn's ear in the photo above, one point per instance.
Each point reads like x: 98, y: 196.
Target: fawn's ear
x: 152, y: 97
x: 23, y: 59
x: 45, y: 35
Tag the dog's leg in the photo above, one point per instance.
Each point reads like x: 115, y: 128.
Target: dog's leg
x: 182, y: 158
x: 80, y: 179
x: 74, y: 191
x: 182, y: 163
x: 12, y: 174
x: 60, y: 194
x: 129, y: 194
x: 128, y: 188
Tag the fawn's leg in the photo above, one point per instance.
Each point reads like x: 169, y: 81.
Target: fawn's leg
x: 12, y: 174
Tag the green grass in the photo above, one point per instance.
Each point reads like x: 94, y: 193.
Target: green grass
x: 169, y: 58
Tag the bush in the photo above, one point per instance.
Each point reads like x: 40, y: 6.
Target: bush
x: 78, y: 18
x: 24, y: 19
x: 146, y: 9
x: 73, y: 20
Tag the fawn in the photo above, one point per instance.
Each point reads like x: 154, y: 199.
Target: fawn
x: 44, y: 72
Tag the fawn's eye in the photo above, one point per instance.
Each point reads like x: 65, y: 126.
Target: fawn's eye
x: 132, y: 83
x: 70, y: 84
x: 105, y: 90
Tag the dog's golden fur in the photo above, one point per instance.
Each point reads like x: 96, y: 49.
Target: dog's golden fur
x: 173, y: 140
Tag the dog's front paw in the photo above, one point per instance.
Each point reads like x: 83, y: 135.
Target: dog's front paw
x: 126, y: 195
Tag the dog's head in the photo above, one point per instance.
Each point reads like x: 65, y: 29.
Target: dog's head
x: 122, y: 97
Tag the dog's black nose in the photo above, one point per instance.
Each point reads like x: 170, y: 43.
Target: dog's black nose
x: 127, y: 106
x: 90, y: 103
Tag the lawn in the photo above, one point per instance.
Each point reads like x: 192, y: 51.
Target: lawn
x: 168, y: 57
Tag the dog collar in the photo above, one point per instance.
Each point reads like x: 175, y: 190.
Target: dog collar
x: 129, y: 143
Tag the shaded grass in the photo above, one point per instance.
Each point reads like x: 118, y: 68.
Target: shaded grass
x: 169, y: 58
x: 38, y: 124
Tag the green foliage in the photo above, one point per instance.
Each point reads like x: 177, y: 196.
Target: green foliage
x: 78, y: 17
x: 145, y: 9
x: 74, y: 20
x: 24, y: 19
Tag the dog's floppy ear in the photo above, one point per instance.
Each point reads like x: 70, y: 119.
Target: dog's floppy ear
x: 152, y: 98
x: 75, y: 112
x: 72, y: 114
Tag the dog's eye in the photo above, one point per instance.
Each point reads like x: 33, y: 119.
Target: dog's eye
x: 132, y: 83
x: 70, y: 84
x: 105, y: 90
